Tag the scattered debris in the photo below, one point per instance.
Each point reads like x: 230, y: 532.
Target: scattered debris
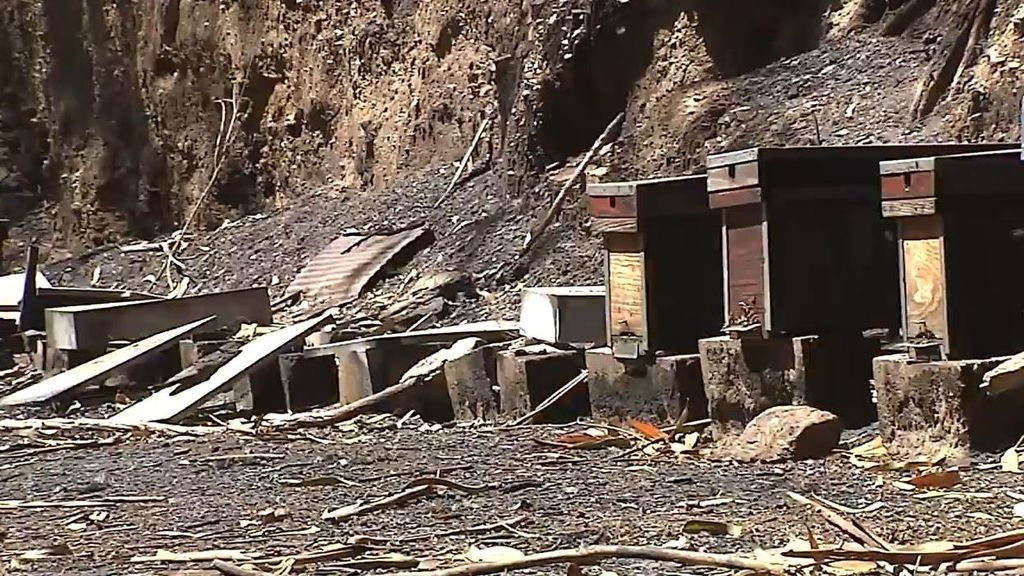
x: 100, y: 367
x: 592, y: 554
x: 172, y: 403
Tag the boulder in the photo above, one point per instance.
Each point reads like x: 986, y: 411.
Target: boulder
x: 788, y: 433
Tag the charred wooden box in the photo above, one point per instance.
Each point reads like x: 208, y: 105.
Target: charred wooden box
x: 662, y: 264
x: 961, y: 234
x: 806, y: 250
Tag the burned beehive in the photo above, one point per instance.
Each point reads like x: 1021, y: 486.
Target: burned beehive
x: 806, y: 250
x: 663, y: 264
x: 961, y: 234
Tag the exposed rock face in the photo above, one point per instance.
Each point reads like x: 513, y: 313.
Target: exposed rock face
x: 789, y: 433
x: 110, y: 110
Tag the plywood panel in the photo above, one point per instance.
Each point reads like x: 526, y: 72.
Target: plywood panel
x: 626, y: 292
x: 925, y: 288
x: 745, y: 259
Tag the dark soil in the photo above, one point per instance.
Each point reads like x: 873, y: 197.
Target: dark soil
x: 478, y: 230
x: 565, y: 499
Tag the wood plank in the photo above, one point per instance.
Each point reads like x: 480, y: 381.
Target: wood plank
x: 613, y: 225
x: 908, y: 185
x: 173, y: 403
x: 613, y: 206
x: 732, y: 198
x: 745, y: 262
x: 925, y: 287
x: 908, y: 207
x: 91, y: 327
x: 626, y: 289
x: 101, y: 367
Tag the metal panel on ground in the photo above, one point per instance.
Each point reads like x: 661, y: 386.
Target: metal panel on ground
x: 341, y: 271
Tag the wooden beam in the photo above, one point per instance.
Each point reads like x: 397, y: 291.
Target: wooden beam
x: 100, y: 367
x: 908, y: 207
x: 91, y: 327
x: 174, y: 403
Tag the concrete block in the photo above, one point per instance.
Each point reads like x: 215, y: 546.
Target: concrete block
x: 567, y: 315
x: 527, y: 380
x: 472, y: 382
x: 683, y: 374
x: 631, y: 389
x: 925, y: 407
x: 744, y: 377
x: 308, y: 382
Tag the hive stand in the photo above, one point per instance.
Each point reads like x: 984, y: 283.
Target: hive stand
x: 806, y: 252
x: 663, y: 277
x: 961, y: 235
x: 961, y: 239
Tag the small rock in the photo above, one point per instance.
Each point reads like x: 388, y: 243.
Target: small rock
x: 789, y: 433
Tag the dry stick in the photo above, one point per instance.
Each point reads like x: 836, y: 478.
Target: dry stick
x: 400, y: 498
x: 462, y: 165
x: 550, y: 400
x: 595, y: 553
x: 482, y: 528
x: 556, y: 207
x: 446, y: 483
x: 333, y: 416
x: 852, y: 527
x: 224, y: 140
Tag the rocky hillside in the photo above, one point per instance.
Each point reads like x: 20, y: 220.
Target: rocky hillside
x: 118, y: 117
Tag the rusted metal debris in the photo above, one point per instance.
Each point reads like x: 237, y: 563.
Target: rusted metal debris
x: 339, y: 273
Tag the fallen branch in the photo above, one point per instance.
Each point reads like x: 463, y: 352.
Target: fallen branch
x: 533, y: 236
x: 855, y: 529
x: 360, y: 509
x: 555, y: 397
x: 462, y: 165
x: 592, y: 554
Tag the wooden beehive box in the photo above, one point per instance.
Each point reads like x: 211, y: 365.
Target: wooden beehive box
x: 961, y: 230
x: 806, y: 250
x: 662, y: 264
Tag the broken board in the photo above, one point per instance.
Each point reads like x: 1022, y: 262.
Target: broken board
x: 100, y: 367
x: 172, y: 403
x: 91, y: 327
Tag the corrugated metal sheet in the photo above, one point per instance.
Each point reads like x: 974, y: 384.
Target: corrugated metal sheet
x: 341, y: 271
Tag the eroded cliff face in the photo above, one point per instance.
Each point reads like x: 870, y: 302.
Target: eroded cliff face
x: 115, y: 113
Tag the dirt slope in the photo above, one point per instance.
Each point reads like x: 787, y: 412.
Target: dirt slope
x: 112, y: 113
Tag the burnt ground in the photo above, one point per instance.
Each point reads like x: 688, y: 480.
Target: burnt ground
x: 478, y: 230
x: 562, y: 498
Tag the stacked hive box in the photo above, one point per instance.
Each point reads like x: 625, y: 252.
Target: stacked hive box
x: 664, y: 293
x: 810, y: 268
